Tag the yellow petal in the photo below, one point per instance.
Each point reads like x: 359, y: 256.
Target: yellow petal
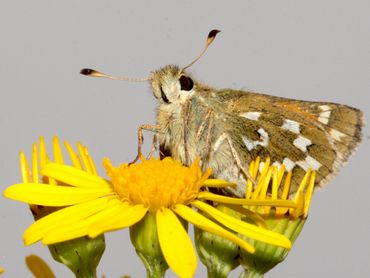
x: 23, y: 165
x: 241, y: 201
x: 35, y: 166
x: 39, y: 267
x: 46, y: 195
x: 207, y: 225
x: 73, y: 156
x: 73, y: 176
x: 80, y: 228
x: 126, y: 216
x: 244, y: 228
x: 265, y: 183
x: 218, y: 183
x: 299, y: 199
x: 175, y: 244
x: 44, y: 159
x: 309, y: 192
x: 255, y: 217
x: 58, y: 155
x: 64, y: 216
x: 84, y: 154
x: 249, y: 187
x: 91, y: 163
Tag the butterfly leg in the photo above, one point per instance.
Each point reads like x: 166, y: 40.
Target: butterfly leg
x: 153, y: 128
x: 154, y: 146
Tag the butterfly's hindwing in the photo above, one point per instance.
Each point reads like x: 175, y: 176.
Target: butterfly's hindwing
x: 301, y: 135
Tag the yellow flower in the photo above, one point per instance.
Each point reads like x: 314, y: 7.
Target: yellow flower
x: 1, y: 270
x: 165, y: 189
x: 270, y: 187
x: 81, y: 255
x: 274, y: 184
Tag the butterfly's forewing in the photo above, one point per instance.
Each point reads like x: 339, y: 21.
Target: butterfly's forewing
x: 299, y: 134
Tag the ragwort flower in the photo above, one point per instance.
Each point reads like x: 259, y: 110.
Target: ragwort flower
x: 274, y: 184
x: 81, y: 255
x: 164, y: 189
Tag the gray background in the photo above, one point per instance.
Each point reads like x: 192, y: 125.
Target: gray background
x: 312, y: 50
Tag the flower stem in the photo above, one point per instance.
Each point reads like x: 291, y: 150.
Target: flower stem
x: 214, y: 272
x: 86, y: 273
x: 253, y: 273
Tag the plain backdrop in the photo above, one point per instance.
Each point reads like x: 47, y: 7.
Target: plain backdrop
x: 311, y: 50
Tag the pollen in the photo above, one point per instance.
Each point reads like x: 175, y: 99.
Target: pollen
x: 155, y: 183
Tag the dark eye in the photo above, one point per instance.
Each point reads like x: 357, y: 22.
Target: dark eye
x: 186, y: 83
x: 164, y: 97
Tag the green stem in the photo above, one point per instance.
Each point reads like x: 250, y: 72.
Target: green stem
x: 154, y: 268
x: 217, y: 272
x: 253, y: 273
x: 85, y: 273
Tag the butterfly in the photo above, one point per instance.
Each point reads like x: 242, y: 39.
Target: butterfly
x: 227, y: 129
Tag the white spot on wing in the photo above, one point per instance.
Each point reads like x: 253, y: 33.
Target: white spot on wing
x: 254, y: 116
x: 289, y: 164
x: 303, y: 164
x: 290, y: 125
x: 302, y: 143
x: 315, y: 165
x: 336, y: 135
x: 309, y: 163
x: 252, y: 144
x: 249, y: 143
x: 325, y: 114
x: 264, y: 137
x: 276, y: 164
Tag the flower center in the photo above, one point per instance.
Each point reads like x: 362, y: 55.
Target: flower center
x: 156, y: 183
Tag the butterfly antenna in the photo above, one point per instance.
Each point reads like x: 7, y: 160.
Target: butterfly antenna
x: 95, y: 73
x: 211, y: 37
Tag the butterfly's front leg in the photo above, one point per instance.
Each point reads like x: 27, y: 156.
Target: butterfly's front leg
x: 154, y: 146
x: 140, y: 139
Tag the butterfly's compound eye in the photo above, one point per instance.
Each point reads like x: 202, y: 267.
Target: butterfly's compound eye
x: 186, y: 83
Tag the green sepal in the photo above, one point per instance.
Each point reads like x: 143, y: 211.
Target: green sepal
x: 144, y: 237
x: 268, y: 256
x: 219, y: 255
x: 81, y: 255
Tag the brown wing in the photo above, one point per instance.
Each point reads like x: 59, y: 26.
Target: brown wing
x: 299, y: 134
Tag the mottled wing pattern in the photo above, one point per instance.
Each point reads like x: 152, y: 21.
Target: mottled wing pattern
x: 299, y: 134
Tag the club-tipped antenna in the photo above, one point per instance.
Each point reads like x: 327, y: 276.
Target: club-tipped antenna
x: 95, y: 73
x: 211, y: 37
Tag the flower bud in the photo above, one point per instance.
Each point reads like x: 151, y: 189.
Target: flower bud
x: 218, y: 254
x: 81, y: 255
x: 144, y: 237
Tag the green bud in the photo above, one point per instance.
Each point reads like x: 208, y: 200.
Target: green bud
x: 219, y: 255
x: 144, y: 237
x: 81, y: 255
x: 268, y: 256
